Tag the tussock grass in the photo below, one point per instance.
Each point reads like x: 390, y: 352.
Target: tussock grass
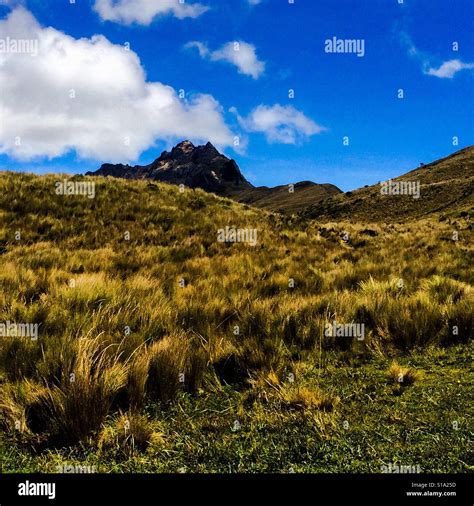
x: 130, y: 433
x: 13, y: 400
x: 308, y: 398
x: 403, y: 376
x: 137, y: 378
x: 176, y: 363
x: 79, y: 403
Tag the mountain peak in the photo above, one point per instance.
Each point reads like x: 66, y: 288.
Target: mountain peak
x: 206, y: 168
x: 194, y: 166
x: 184, y: 146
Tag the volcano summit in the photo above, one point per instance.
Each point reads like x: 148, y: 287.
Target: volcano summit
x: 194, y: 166
x: 204, y: 167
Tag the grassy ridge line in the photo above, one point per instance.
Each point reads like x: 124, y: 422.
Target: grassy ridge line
x: 280, y: 199
x: 446, y: 190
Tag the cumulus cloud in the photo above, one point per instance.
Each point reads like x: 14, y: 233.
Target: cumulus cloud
x: 91, y: 96
x: 279, y: 124
x: 143, y: 12
x: 239, y: 53
x: 448, y: 69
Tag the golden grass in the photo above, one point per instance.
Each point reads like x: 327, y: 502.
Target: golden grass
x: 403, y: 376
x: 130, y: 433
x: 176, y: 363
x: 79, y: 403
x: 114, y: 316
x: 302, y: 398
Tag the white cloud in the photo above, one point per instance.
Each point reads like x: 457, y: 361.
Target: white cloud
x: 412, y: 50
x: 144, y: 11
x: 282, y: 124
x: 112, y: 101
x: 448, y: 69
x: 200, y: 46
x: 254, y: 2
x: 238, y: 53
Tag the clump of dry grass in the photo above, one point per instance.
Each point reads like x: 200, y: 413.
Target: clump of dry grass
x: 308, y: 398
x: 139, y: 365
x: 79, y: 404
x: 13, y: 399
x: 19, y: 357
x: 403, y: 376
x: 176, y: 363
x: 130, y: 433
x: 15, y: 414
x: 446, y: 290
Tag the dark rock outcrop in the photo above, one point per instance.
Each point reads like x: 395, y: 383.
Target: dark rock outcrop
x: 204, y: 167
x: 194, y: 166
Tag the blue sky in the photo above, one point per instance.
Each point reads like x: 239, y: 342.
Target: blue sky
x: 407, y: 46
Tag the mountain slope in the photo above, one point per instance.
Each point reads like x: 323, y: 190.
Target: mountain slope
x: 280, y: 198
x: 446, y: 187
x: 233, y: 319
x: 204, y: 167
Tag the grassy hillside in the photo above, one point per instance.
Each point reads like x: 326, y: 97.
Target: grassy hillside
x: 446, y: 189
x: 281, y: 199
x: 161, y: 348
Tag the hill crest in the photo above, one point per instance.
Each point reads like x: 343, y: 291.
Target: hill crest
x: 446, y: 186
x: 204, y: 167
